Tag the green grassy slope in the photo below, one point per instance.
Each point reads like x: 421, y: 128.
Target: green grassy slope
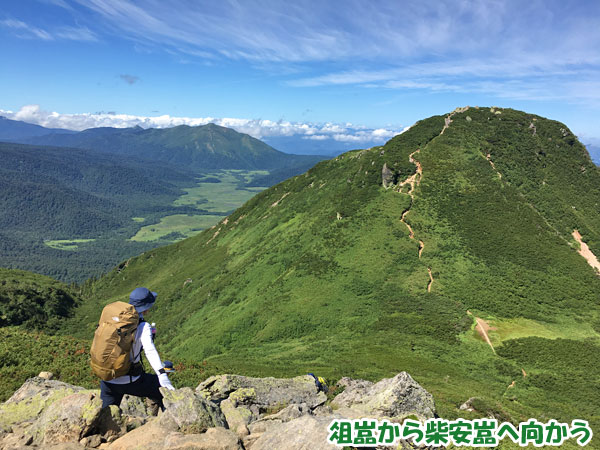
x: 24, y: 354
x: 33, y: 307
x: 319, y: 273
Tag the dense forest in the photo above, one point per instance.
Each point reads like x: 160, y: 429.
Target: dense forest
x: 64, y: 193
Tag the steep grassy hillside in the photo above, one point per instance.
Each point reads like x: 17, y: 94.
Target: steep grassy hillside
x: 331, y: 272
x: 203, y: 147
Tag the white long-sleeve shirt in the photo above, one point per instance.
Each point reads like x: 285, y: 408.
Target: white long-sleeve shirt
x: 143, y: 339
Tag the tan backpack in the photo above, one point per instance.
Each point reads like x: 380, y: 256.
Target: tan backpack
x: 113, y: 341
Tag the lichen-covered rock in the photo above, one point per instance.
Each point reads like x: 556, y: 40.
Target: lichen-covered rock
x: 323, y: 410
x: 191, y: 412
x: 394, y: 398
x: 268, y: 393
x: 264, y: 412
x: 237, y: 418
x: 154, y: 436
x: 31, y: 399
x: 285, y: 415
x: 74, y: 417
x: 150, y: 435
x: 135, y: 411
x: 134, y: 406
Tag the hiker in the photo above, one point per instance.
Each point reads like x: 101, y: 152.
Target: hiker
x: 129, y: 330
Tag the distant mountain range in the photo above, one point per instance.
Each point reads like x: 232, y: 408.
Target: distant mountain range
x: 303, y: 145
x: 14, y: 130
x: 203, y: 147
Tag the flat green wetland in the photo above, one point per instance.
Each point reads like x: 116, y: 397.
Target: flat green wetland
x: 215, y: 195
x: 66, y: 244
x: 184, y: 225
x: 224, y: 196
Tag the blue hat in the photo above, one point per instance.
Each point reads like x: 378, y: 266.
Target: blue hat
x: 142, y: 299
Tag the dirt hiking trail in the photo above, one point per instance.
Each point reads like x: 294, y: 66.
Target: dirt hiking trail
x: 482, y: 328
x: 414, y: 181
x: 585, y: 251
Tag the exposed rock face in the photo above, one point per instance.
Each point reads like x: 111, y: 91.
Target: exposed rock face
x: 387, y: 176
x: 394, y: 398
x: 226, y: 412
x: 468, y: 405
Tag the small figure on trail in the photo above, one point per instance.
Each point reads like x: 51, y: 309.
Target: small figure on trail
x: 116, y: 352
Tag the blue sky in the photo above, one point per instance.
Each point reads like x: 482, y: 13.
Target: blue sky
x: 356, y: 71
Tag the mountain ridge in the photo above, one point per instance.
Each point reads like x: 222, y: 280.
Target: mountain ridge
x: 16, y: 129
x: 200, y: 147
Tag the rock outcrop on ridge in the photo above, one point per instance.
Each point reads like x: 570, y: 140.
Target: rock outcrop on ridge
x: 225, y: 412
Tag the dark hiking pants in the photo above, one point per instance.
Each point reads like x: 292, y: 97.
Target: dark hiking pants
x: 145, y: 386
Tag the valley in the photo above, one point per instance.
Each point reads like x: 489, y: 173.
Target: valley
x: 122, y: 191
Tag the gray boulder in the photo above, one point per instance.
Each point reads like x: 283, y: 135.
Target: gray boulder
x: 269, y: 395
x: 136, y: 412
x: 387, y: 176
x: 74, y: 417
x: 237, y: 417
x: 31, y: 399
x: 393, y: 398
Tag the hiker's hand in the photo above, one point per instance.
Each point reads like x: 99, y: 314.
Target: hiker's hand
x: 164, y: 381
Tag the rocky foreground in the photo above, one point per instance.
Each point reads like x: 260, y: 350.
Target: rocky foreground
x: 224, y: 412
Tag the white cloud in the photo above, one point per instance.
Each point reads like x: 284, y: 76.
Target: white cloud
x: 28, y: 31
x: 24, y: 30
x: 258, y: 128
x: 75, y: 34
x: 392, y: 32
x: 317, y: 137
